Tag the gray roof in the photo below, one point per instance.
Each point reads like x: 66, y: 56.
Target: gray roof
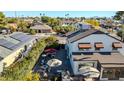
x: 4, y: 51
x: 7, y: 46
x: 21, y: 37
x: 77, y: 35
x: 40, y: 27
x: 81, y: 34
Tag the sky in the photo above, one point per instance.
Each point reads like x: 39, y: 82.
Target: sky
x: 60, y: 13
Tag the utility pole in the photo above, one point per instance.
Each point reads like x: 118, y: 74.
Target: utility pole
x: 15, y: 14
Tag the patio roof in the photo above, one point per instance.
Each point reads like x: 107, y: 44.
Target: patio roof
x: 112, y: 58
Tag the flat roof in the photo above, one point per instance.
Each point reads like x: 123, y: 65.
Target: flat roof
x: 112, y: 58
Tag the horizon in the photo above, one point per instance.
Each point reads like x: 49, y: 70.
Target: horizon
x: 59, y: 13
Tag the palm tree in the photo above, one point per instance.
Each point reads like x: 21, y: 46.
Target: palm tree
x: 41, y: 17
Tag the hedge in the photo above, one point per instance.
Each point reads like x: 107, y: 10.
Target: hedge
x: 23, y: 70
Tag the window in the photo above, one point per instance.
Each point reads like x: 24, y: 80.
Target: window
x: 114, y: 48
x: 97, y: 49
x: 91, y: 64
x: 122, y: 74
x: 105, y: 74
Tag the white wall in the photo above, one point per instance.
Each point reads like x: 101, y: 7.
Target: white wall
x: 107, y: 41
x: 1, y: 66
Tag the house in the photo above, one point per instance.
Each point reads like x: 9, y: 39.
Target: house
x: 83, y: 26
x: 66, y: 22
x: 41, y: 28
x: 96, y: 55
x: 14, y: 47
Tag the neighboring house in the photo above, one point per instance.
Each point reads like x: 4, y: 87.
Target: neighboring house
x: 95, y: 54
x: 66, y: 22
x: 41, y: 28
x: 14, y: 47
x: 83, y: 26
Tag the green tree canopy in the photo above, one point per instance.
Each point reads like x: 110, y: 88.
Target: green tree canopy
x: 121, y: 33
x: 2, y: 20
x: 118, y: 15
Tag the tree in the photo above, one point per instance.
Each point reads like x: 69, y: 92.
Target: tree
x: 118, y: 15
x: 31, y: 31
x: 22, y: 25
x: 2, y: 19
x: 12, y: 20
x: 64, y: 29
x: 92, y: 22
x: 82, y: 18
x: 12, y: 28
x: 45, y: 19
x: 50, y: 40
x: 121, y: 33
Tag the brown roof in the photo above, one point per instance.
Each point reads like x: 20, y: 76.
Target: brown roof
x: 117, y: 45
x: 84, y: 46
x: 41, y: 27
x: 99, y: 45
x: 102, y: 58
x: 112, y: 65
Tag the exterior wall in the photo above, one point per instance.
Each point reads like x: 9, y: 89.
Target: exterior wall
x: 107, y: 41
x: 1, y: 66
x: 107, y: 78
x: 12, y: 57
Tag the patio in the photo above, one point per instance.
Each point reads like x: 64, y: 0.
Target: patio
x: 53, y: 71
